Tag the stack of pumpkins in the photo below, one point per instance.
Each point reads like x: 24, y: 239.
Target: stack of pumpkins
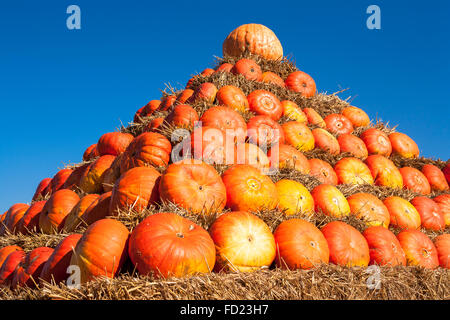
x: 122, y: 171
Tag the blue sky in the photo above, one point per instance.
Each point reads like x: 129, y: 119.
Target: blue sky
x: 61, y: 89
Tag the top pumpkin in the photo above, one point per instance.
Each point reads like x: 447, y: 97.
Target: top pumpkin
x: 255, y: 38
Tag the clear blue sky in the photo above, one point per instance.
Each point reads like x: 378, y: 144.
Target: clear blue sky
x: 61, y: 89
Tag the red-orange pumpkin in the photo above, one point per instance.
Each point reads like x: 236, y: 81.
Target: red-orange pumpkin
x: 167, y: 102
x: 12, y: 224
x: 338, y: 124
x: 264, y: 102
x: 251, y: 154
x: 369, y: 208
x: 298, y: 135
x: 224, y: 67
x: 357, y: 116
x: 289, y: 157
x: 206, y: 91
x: 73, y: 219
x: 30, y: 270
x: 323, y: 171
x: 56, y: 209
x: 302, y: 83
x: 377, y: 142
x: 415, y: 180
x: 227, y: 120
x: 98, y: 209
x: 402, y: 212
x: 185, y: 95
x: 326, y: 141
x: 183, y: 116
x: 272, y: 78
x: 263, y: 130
x: 73, y: 181
x: 329, y: 200
x: 92, y: 178
x: 443, y: 202
x: 314, y: 117
x: 5, y: 251
x: 10, y: 265
x: 59, y: 179
x: 419, y: 249
x: 247, y: 68
x: 442, y: 244
x: 30, y: 219
x: 113, y: 143
x: 384, y: 171
x: 211, y: 145
x: 91, y: 152
x: 384, y: 247
x: 232, y: 97
x: 430, y: 213
x: 446, y: 172
x: 354, y: 145
x: 9, y: 215
x: 403, y: 145
x: 435, y: 177
x: 41, y: 188
x: 352, y: 171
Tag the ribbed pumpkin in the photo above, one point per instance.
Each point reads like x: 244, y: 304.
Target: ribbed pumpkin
x: 73, y: 219
x: 352, y: 144
x: 232, y: 97
x: 338, y: 124
x: 302, y: 83
x: 325, y: 141
x: 248, y: 189
x: 41, y: 188
x: 102, y: 250
x: 146, y: 110
x: 227, y: 120
x: 384, y: 171
x: 369, y: 208
x: 443, y: 202
x: 415, y: 180
x: 137, y: 188
x: 247, y: 68
x: 59, y: 179
x: 224, y: 67
x: 193, y: 185
x: 293, y: 112
x: 113, y: 143
x: 430, y: 213
x: 251, y: 154
x: 212, y: 146
x: 384, y: 247
x: 435, y: 177
x: 289, y: 157
x: 12, y: 211
x: 56, y: 209
x: 419, y: 249
x: 352, y: 171
x: 166, y: 244
x: 442, y: 244
x: 10, y: 265
x: 91, y: 152
x: 91, y: 181
x: 12, y: 222
x: 98, y: 209
x: 403, y: 145
x: 322, y: 171
x: 298, y: 135
x: 314, y: 117
x: 294, y: 198
x: 73, y: 181
x: 243, y: 242
x: 264, y: 102
x: 263, y: 130
x: 30, y: 270
x: 272, y: 78
x: 377, y: 142
x: 30, y: 219
x: 206, y: 91
x: 329, y: 200
x: 356, y: 116
x: 402, y: 212
x: 254, y: 38
x: 5, y: 252
x: 185, y: 96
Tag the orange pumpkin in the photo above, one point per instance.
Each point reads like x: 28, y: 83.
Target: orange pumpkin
x: 56, y: 209
x: 73, y: 219
x: 415, y: 180
x: 12, y: 224
x: 384, y: 171
x: 31, y: 268
x: 167, y: 102
x: 155, y: 124
x: 302, y: 83
x: 227, y: 120
x: 294, y: 198
x: 195, y: 186
x: 384, y: 247
x: 30, y: 219
x: 442, y: 244
x: 8, y: 216
x: 323, y: 171
x: 298, y: 135
x: 136, y: 188
x: 289, y: 157
x: 59, y: 179
x: 110, y: 176
x: 73, y: 181
x: 183, y: 116
x: 5, y: 251
x: 292, y: 111
x: 41, y: 188
x: 430, y: 213
x: 251, y: 154
x: 403, y: 145
x: 419, y: 249
x: 446, y: 172
x: 347, y: 245
x: 91, y: 181
x: 146, y: 110
x: 377, y: 142
x: 248, y: 189
x: 338, y: 124
x: 207, y: 72
x: 224, y: 67
x: 102, y: 250
x: 263, y: 130
x: 356, y: 116
x: 370, y: 209
x: 55, y: 268
x: 207, y: 91
x: 212, y: 145
x: 402, y: 212
x: 326, y: 141
x: 300, y: 245
x: 329, y: 200
x: 352, y: 171
x: 254, y: 38
x: 185, y: 95
x: 113, y: 143
x: 247, y: 68
x: 352, y: 144
x: 166, y: 244
x: 443, y: 202
x: 232, y: 97
x: 272, y: 78
x: 243, y: 242
x: 314, y: 117
x: 435, y: 177
x: 91, y: 152
x: 10, y: 265
x: 98, y: 209
x: 264, y: 102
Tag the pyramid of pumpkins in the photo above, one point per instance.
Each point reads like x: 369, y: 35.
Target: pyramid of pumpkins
x: 249, y: 134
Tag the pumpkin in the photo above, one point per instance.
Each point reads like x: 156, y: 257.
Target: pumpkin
x: 248, y: 189
x: 352, y: 171
x: 91, y: 180
x: 29, y: 272
x: 384, y: 247
x: 166, y: 244
x: 251, y: 154
x: 183, y: 116
x: 185, y: 95
x: 224, y: 67
x: 10, y: 265
x: 415, y: 180
x: 377, y: 142
x: 338, y: 124
x: 73, y: 219
x: 292, y: 111
x: 247, y: 68
x: 442, y: 244
x: 55, y: 268
x: 195, y: 186
x: 370, y: 209
x: 254, y: 38
x: 435, y: 177
x: 110, y: 176
x: 113, y: 143
x: 207, y: 72
x: 56, y: 209
x: 155, y: 124
x: 403, y: 145
x: 300, y: 245
x: 212, y: 145
x: 446, y: 172
x: 294, y: 198
x: 272, y: 78
x: 430, y: 213
x: 419, y: 249
x: 91, y: 152
x: 329, y: 200
x: 264, y: 102
x: 263, y: 130
x: 98, y: 209
x: 302, y: 83
x: 30, y: 219
x: 227, y: 120
x: 357, y: 116
x: 325, y: 141
x: 137, y: 188
x: 402, y: 212
x: 347, y: 245
x: 206, y: 91
x: 12, y: 224
x: 243, y: 242
x: 9, y: 215
x: 59, y: 179
x: 41, y: 188
x: 443, y: 202
x: 73, y: 181
x: 314, y: 117
x: 322, y: 171
x: 102, y: 250
x: 289, y: 157
x: 232, y: 97
x: 354, y: 145
x: 5, y: 251
x: 298, y: 135
x: 146, y: 110
x: 148, y: 149
x: 167, y: 102
x: 384, y: 171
